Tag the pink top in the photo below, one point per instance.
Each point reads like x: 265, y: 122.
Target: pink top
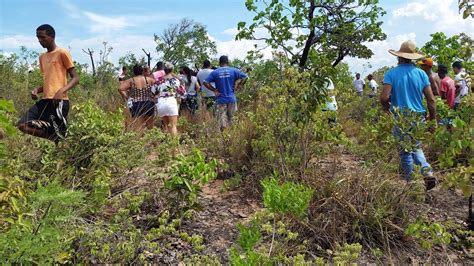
x: 447, y: 86
x: 158, y: 74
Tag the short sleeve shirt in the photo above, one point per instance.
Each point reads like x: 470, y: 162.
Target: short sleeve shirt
x: 359, y: 84
x: 373, y: 85
x: 190, y: 86
x: 225, y: 78
x: 54, y: 66
x: 447, y: 86
x: 202, y: 75
x: 408, y: 83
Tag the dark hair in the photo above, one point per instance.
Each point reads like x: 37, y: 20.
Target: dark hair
x: 223, y: 60
x: 206, y: 64
x: 188, y: 73
x: 48, y: 29
x: 137, y: 70
x: 457, y: 64
x: 124, y: 68
x: 159, y: 65
x: 357, y: 74
x: 370, y: 77
x: 443, y: 69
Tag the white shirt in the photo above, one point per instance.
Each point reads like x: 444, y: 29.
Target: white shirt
x: 190, y: 87
x: 202, y: 76
x: 359, y: 84
x: 460, y: 79
x: 373, y: 85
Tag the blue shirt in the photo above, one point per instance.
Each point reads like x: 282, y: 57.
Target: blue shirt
x: 408, y: 83
x: 224, y: 78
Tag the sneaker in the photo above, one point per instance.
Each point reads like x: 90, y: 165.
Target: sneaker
x: 430, y: 182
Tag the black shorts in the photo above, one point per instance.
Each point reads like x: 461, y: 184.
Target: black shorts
x: 49, y: 115
x: 145, y: 108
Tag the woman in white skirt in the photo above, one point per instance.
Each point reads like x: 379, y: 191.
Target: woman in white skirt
x: 168, y: 88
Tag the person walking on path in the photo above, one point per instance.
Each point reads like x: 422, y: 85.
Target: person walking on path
x: 137, y: 91
x: 359, y: 85
x: 461, y: 83
x: 403, y: 88
x: 426, y: 65
x: 169, y: 87
x: 448, y: 90
x: 47, y: 118
x: 226, y: 79
x: 209, y: 97
x: 159, y: 73
x: 373, y: 86
x: 191, y: 103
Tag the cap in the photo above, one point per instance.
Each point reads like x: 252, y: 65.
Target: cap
x: 426, y: 61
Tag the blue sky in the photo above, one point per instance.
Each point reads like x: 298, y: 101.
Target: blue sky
x: 128, y: 26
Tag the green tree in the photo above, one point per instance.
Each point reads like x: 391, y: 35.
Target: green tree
x: 446, y: 50
x: 467, y: 8
x: 185, y: 43
x: 306, y: 29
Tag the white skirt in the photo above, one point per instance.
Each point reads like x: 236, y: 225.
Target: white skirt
x: 167, y: 106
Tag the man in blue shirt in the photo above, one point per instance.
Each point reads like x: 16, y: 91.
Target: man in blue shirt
x: 404, y: 87
x: 226, y: 80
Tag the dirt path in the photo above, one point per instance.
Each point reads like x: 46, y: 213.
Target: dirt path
x: 218, y: 217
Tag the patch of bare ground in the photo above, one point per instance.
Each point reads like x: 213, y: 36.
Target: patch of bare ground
x: 217, y: 218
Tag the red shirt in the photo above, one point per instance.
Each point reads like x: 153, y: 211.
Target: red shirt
x: 447, y: 86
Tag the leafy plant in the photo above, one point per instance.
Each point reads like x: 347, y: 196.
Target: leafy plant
x: 188, y: 174
x: 287, y: 198
x: 43, y: 235
x: 428, y: 234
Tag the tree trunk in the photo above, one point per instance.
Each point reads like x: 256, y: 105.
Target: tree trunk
x: 309, y: 41
x: 148, y: 56
x: 90, y: 52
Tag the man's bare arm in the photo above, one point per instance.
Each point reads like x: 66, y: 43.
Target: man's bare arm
x: 72, y: 82
x: 431, y: 102
x: 385, y: 97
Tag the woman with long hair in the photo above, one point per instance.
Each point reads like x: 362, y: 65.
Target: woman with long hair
x: 192, y: 90
x: 137, y: 91
x: 168, y: 88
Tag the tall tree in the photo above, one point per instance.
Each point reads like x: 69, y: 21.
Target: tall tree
x: 305, y: 29
x: 446, y: 50
x: 185, y: 43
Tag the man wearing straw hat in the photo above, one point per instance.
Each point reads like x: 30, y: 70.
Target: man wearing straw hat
x: 404, y: 87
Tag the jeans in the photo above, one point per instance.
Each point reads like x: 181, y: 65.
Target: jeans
x: 407, y: 158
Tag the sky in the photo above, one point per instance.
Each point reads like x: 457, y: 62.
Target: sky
x: 129, y: 26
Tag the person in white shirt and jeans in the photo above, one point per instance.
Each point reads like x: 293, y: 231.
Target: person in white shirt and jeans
x: 461, y: 83
x: 359, y: 85
x: 372, y: 86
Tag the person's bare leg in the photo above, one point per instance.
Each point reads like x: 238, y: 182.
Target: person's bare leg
x: 173, y: 125
x: 30, y: 130
x: 166, y: 122
x: 149, y: 121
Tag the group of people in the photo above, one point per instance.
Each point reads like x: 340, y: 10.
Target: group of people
x: 451, y: 90
x: 359, y: 85
x: 404, y: 88
x: 148, y: 93
x: 163, y: 92
x: 145, y: 93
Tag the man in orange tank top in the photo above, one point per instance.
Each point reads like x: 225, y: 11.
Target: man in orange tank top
x: 47, y: 117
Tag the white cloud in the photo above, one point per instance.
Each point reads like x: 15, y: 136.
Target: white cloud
x: 437, y: 15
x: 15, y: 41
x: 102, y: 24
x: 381, y: 56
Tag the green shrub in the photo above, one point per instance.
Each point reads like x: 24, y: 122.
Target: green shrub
x: 43, y: 236
x: 288, y: 198
x: 188, y: 174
